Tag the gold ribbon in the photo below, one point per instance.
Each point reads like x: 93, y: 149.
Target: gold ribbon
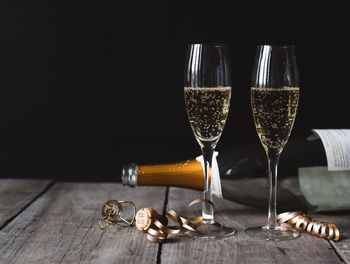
x: 302, y: 222
x: 149, y: 221
x: 156, y: 228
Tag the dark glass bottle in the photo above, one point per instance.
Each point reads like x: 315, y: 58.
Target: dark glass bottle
x: 243, y: 173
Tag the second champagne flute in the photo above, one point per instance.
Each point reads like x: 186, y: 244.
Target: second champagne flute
x: 274, y: 100
x: 207, y: 98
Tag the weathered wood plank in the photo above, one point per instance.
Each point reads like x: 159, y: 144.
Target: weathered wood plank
x: 342, y: 220
x: 240, y: 248
x: 15, y: 194
x: 62, y: 227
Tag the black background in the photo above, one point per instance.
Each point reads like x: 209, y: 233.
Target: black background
x: 88, y: 86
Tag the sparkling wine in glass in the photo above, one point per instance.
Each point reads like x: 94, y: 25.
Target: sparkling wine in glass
x: 274, y: 95
x: 207, y: 95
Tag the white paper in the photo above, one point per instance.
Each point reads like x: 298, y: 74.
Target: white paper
x: 215, y: 183
x: 336, y: 143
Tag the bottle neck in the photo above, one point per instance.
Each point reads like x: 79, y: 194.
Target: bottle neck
x: 130, y: 174
x: 187, y: 174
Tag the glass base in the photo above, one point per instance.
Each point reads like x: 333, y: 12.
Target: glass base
x: 271, y: 234
x: 211, y: 230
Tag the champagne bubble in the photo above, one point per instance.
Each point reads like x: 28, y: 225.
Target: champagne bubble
x: 274, y: 111
x: 207, y: 109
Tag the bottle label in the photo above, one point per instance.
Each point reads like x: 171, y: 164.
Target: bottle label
x: 336, y: 143
x: 325, y: 190
x: 215, y: 183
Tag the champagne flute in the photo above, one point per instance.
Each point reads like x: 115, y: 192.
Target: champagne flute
x: 274, y: 97
x: 207, y: 95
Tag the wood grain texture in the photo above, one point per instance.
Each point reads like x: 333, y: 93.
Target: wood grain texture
x: 239, y: 248
x: 16, y: 194
x: 62, y: 227
x: 342, y: 221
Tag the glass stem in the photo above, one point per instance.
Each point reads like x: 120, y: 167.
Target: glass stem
x: 207, y: 212
x: 273, y: 159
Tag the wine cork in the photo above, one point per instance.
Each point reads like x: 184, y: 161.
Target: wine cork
x: 145, y: 217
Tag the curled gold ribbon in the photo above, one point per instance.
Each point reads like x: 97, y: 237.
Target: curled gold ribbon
x: 302, y: 222
x: 156, y: 228
x: 148, y: 220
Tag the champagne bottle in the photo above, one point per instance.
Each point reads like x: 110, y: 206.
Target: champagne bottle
x: 305, y: 183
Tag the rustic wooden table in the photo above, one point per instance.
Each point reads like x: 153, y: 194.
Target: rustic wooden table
x: 46, y: 222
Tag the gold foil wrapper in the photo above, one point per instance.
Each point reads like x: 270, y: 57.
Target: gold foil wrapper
x: 186, y: 174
